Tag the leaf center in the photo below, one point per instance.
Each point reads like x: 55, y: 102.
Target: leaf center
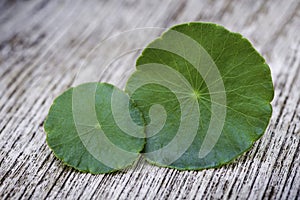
x: 196, y: 94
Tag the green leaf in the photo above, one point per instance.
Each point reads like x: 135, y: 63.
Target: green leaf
x: 209, y: 92
x: 82, y: 131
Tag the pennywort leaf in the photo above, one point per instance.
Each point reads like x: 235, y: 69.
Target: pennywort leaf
x: 215, y: 89
x: 82, y: 132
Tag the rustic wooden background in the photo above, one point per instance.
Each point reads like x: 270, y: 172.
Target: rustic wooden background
x: 42, y: 44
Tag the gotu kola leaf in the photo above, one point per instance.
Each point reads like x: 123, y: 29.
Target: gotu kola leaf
x: 209, y: 91
x: 83, y: 133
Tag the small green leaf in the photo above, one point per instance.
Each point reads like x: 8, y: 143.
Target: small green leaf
x: 210, y: 90
x: 82, y: 132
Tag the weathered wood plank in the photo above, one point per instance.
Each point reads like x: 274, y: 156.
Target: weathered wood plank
x: 42, y: 44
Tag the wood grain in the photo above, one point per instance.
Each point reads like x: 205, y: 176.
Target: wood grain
x: 42, y: 46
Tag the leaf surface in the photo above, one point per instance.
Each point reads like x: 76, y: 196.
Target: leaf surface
x: 82, y: 132
x: 210, y: 88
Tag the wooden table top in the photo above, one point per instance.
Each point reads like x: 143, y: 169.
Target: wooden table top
x: 42, y: 47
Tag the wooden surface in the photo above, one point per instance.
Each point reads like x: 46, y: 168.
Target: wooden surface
x: 42, y: 44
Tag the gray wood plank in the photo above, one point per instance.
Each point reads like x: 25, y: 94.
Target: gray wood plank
x: 42, y: 47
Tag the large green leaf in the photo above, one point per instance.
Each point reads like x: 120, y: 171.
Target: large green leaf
x: 83, y: 133
x: 209, y: 91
